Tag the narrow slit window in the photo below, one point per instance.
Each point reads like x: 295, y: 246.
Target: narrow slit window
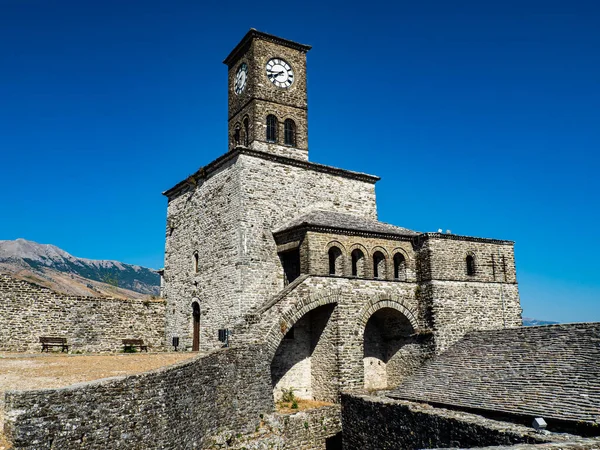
x: 196, y: 263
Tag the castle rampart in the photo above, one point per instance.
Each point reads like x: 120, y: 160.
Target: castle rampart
x: 90, y: 324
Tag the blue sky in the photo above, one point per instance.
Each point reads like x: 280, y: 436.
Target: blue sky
x: 480, y: 117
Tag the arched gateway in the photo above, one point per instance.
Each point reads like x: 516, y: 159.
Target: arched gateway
x: 306, y: 360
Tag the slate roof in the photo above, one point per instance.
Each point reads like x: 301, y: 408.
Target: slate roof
x: 550, y: 371
x: 343, y: 221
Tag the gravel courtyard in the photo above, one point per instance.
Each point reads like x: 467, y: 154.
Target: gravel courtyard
x: 20, y: 371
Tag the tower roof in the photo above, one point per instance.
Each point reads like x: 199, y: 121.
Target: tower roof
x: 255, y: 34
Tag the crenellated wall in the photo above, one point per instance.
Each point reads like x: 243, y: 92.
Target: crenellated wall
x: 90, y: 324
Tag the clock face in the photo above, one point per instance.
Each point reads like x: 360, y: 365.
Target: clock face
x: 240, y: 79
x: 280, y: 73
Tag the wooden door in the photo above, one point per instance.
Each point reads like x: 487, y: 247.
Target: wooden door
x: 196, y: 335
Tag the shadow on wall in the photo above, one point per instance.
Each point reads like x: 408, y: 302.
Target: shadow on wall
x: 306, y: 359
x: 392, y: 351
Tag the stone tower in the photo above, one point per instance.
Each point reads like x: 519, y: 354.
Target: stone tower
x: 288, y: 252
x: 267, y: 95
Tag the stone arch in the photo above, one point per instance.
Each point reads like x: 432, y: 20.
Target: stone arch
x: 399, y: 263
x: 358, y: 268
x: 375, y: 305
x: 391, y: 347
x: 380, y: 260
x: 336, y: 258
x: 288, y: 318
x: 306, y: 356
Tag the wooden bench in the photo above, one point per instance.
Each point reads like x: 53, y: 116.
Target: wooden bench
x: 48, y: 342
x: 133, y: 343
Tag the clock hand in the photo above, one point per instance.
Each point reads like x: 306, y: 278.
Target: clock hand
x: 274, y: 74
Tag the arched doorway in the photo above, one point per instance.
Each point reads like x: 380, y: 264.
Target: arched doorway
x: 196, y: 332
x: 391, y: 349
x: 306, y: 359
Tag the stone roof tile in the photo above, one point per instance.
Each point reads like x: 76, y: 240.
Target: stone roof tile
x: 550, y: 371
x: 337, y: 220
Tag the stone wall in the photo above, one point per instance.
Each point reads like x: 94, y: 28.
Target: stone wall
x: 338, y: 355
x: 456, y: 302
x: 459, y: 307
x: 373, y: 423
x: 90, y: 324
x: 261, y: 97
x: 227, y: 214
x: 180, y: 406
x: 320, y: 243
x: 315, y: 429
x: 443, y: 257
x: 203, y: 218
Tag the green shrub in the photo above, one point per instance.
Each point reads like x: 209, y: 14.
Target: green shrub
x: 287, y: 395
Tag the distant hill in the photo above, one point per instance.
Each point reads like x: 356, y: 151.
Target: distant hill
x: 528, y: 322
x: 49, y: 266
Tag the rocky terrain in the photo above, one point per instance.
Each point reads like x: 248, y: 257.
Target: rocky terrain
x: 52, y: 267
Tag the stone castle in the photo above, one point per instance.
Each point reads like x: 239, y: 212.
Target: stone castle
x: 262, y: 227
x: 278, y: 272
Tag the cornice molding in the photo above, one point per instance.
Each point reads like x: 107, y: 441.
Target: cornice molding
x: 206, y: 171
x: 456, y: 237
x: 255, y: 34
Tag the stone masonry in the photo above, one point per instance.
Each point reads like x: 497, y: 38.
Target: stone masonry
x: 90, y: 324
x: 287, y: 252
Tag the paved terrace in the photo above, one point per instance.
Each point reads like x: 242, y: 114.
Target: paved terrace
x: 548, y: 371
x: 20, y: 371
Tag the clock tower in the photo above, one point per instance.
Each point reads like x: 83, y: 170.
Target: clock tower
x: 267, y: 95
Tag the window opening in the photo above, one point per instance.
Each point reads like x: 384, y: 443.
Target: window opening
x: 357, y: 263
x: 271, y: 128
x: 289, y: 132
x: 399, y: 267
x: 378, y: 265
x: 246, y: 132
x: 236, y: 135
x: 335, y: 255
x: 196, y: 263
x: 470, y: 265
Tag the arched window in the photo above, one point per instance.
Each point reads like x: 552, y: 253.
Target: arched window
x: 246, y: 131
x: 236, y: 134
x: 470, y: 265
x: 335, y: 261
x: 378, y: 265
x: 358, y: 263
x: 196, y: 264
x: 399, y: 267
x: 289, y: 132
x: 271, y: 128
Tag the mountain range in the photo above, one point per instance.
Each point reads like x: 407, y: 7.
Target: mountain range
x: 528, y: 322
x: 54, y: 268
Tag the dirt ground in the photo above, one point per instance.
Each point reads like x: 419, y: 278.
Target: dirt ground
x: 30, y: 371
x: 286, y: 407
